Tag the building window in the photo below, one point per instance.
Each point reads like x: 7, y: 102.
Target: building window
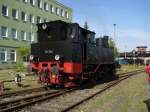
x: 23, y: 35
x: 4, y: 11
x: 32, y: 2
x: 14, y: 33
x: 3, y: 55
x: 39, y: 20
x: 24, y: 16
x: 45, y: 6
x: 31, y: 19
x: 4, y: 32
x: 39, y: 2
x: 31, y: 37
x: 14, y: 13
x: 45, y: 20
x: 12, y: 54
x: 25, y: 1
x: 62, y: 13
x: 52, y: 9
x: 66, y: 15
x: 57, y: 11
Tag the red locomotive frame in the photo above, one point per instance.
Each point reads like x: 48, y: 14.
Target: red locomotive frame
x: 71, y: 71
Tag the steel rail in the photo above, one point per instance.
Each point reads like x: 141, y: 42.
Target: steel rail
x: 102, y: 90
x: 26, y: 91
x: 8, y: 106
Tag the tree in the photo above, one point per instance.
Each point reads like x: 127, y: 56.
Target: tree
x: 113, y: 46
x: 86, y: 25
x: 23, y: 52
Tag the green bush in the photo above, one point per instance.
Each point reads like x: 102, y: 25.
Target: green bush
x: 20, y: 67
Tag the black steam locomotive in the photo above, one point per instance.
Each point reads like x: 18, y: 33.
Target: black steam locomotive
x: 67, y: 54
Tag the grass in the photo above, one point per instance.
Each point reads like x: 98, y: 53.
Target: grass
x: 28, y: 82
x: 129, y: 96
x: 128, y: 68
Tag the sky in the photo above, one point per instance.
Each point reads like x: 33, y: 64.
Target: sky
x: 132, y: 19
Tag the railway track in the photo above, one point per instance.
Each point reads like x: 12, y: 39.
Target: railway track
x: 15, y: 104
x: 11, y: 105
x: 22, y: 92
x: 67, y: 102
x: 124, y: 74
x: 110, y: 85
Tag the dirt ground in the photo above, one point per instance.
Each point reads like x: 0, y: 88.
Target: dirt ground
x: 129, y: 96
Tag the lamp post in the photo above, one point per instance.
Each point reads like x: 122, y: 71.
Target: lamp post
x: 114, y: 31
x: 134, y: 56
x: 125, y: 54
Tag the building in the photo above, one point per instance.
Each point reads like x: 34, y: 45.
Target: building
x: 18, y: 21
x: 141, y: 49
x: 139, y: 56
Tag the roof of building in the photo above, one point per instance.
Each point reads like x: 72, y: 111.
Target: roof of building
x: 141, y: 47
x: 55, y: 1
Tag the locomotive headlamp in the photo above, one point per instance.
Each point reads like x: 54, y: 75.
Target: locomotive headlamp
x: 31, y: 57
x: 57, y: 57
x: 44, y: 26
